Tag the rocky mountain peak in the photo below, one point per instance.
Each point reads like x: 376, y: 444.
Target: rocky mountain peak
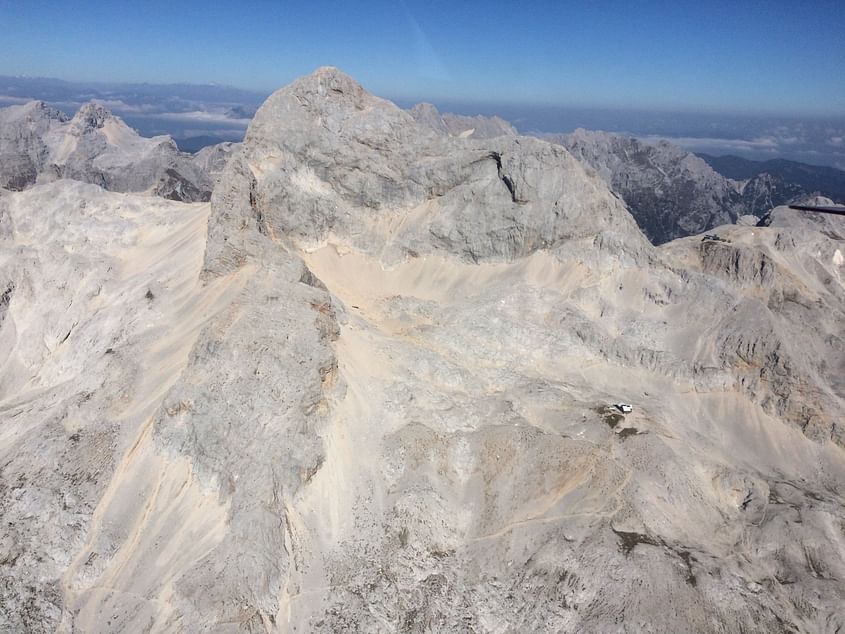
x: 671, y: 192
x: 91, y: 116
x: 325, y: 103
x: 324, y: 158
x: 36, y: 106
x: 36, y: 113
x: 428, y: 115
x: 425, y: 109
x: 327, y: 87
x: 39, y: 143
x: 674, y: 193
x: 447, y: 124
x: 40, y: 110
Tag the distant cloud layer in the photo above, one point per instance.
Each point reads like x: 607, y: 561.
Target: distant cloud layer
x: 181, y: 111
x: 204, y: 117
x: 9, y: 100
x: 223, y: 113
x: 763, y: 144
x: 817, y: 144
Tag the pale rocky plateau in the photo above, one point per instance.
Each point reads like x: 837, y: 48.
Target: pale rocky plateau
x: 370, y: 387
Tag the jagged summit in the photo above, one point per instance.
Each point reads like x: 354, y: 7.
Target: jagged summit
x: 31, y: 113
x: 672, y: 192
x: 39, y: 109
x: 91, y: 116
x: 39, y: 144
x: 323, y: 157
x: 327, y: 98
x: 326, y: 89
x: 326, y: 71
x: 427, y: 114
x: 326, y: 80
x: 23, y: 148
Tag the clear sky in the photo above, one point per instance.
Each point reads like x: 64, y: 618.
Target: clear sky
x: 777, y: 56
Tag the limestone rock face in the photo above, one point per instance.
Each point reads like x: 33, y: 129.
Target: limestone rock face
x: 370, y: 387
x: 324, y: 158
x: 40, y: 144
x: 23, y: 150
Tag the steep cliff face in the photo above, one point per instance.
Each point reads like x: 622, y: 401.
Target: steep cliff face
x: 762, y: 193
x: 371, y: 387
x: 40, y: 144
x: 22, y: 147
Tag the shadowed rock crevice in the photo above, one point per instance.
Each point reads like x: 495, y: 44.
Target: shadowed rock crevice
x: 5, y: 299
x: 504, y: 177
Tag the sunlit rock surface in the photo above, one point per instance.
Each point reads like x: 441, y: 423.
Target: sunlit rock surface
x: 370, y: 387
x: 40, y: 144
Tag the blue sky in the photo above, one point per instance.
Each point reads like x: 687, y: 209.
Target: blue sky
x: 742, y: 56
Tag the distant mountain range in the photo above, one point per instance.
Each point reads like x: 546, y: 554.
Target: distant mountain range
x: 671, y: 192
x: 133, y: 93
x: 674, y: 193
x: 828, y: 180
x: 41, y: 144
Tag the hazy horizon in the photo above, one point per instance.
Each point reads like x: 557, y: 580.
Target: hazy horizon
x: 197, y: 114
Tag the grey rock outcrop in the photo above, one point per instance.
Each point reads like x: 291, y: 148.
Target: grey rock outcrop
x: 39, y: 144
x: 370, y: 386
x: 23, y: 150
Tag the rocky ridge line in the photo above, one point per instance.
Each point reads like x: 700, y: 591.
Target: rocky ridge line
x: 40, y: 144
